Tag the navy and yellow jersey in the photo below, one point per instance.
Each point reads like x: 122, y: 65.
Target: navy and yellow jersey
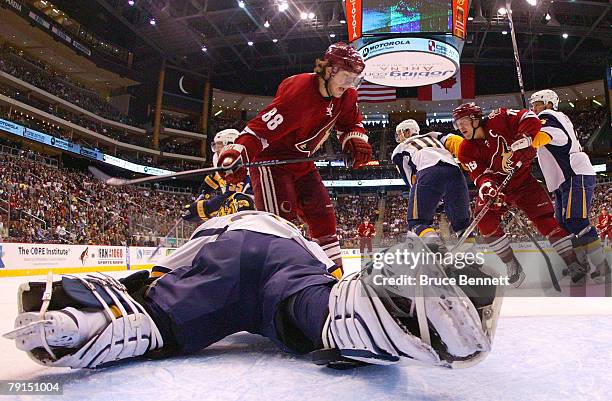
x: 562, y: 157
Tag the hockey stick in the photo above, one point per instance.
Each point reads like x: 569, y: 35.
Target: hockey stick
x: 163, y: 240
x: 517, y: 61
x: 525, y: 230
x: 485, y: 209
x: 116, y: 181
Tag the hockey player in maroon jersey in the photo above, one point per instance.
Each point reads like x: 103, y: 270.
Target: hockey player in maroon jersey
x: 306, y: 109
x: 486, y: 153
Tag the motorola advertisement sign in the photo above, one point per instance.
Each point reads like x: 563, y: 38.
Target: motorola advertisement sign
x: 409, y: 62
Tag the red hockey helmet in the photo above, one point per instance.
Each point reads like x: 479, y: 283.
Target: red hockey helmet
x: 345, y: 57
x: 466, y: 110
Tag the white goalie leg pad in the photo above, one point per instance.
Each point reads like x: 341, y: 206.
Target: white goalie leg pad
x: 435, y: 324
x: 361, y: 327
x: 130, y: 332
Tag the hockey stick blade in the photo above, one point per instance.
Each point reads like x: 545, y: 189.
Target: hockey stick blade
x: 116, y: 181
x: 553, y: 277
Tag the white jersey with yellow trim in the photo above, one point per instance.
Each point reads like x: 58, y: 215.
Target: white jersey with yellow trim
x: 562, y: 158
x: 250, y: 220
x: 418, y: 153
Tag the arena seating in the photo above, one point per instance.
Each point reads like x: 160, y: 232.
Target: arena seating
x: 59, y: 205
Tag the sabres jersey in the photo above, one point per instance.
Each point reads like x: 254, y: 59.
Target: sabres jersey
x: 418, y: 153
x: 250, y: 220
x: 562, y: 158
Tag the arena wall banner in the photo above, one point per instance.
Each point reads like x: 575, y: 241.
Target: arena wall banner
x: 41, y: 137
x: 19, y: 259
x: 140, y: 257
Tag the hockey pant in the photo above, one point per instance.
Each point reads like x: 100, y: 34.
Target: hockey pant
x: 433, y: 184
x: 225, y: 291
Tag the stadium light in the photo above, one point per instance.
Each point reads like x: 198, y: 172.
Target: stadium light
x: 502, y: 11
x: 204, y: 49
x: 332, y: 35
x: 311, y: 15
x: 303, y: 15
x: 283, y: 6
x: 241, y: 4
x: 274, y: 40
x: 504, y: 32
x: 532, y: 2
x: 548, y: 17
x: 250, y: 43
x: 152, y: 21
x: 343, y: 21
x: 131, y: 3
x: 565, y: 35
x: 267, y: 24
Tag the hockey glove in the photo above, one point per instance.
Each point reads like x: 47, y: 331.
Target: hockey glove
x: 359, y: 149
x: 233, y: 157
x: 488, y: 191
x: 196, y: 212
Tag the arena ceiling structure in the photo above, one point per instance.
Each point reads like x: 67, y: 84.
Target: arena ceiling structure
x: 250, y: 45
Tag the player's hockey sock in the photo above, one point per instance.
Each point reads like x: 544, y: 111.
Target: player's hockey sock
x: 501, y: 247
x: 331, y: 246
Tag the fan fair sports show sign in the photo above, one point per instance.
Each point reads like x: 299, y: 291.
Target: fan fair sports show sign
x: 409, y: 62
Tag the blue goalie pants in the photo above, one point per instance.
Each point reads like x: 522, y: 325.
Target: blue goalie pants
x: 238, y: 283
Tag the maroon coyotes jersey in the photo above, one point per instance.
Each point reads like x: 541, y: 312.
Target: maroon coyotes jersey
x: 492, y: 157
x: 299, y: 120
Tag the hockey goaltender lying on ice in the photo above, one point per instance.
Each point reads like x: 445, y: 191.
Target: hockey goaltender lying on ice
x: 253, y: 271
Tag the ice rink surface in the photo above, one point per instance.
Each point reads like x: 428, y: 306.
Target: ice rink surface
x: 545, y: 349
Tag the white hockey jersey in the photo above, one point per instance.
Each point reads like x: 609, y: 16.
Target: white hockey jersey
x: 251, y: 220
x: 418, y: 153
x: 562, y: 158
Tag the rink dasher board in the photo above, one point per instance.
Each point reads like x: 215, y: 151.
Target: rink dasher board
x: 26, y: 259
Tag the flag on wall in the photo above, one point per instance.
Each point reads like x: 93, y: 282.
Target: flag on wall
x: 371, y: 93
x: 462, y: 85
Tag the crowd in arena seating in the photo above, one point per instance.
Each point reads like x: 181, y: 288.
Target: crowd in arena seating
x: 20, y: 65
x: 39, y: 203
x: 185, y: 124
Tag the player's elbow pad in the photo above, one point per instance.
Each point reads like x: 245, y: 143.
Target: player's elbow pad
x: 542, y: 138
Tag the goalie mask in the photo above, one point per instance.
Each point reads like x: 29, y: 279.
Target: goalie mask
x: 439, y: 324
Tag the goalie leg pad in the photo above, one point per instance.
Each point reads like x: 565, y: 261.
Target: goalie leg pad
x: 129, y: 330
x: 435, y: 324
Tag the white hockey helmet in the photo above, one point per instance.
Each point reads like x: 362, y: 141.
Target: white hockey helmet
x: 546, y: 95
x: 409, y: 125
x: 223, y: 138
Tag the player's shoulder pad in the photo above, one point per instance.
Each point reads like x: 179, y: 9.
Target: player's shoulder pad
x: 468, y: 150
x: 295, y: 84
x: 550, y: 118
x: 399, y: 149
